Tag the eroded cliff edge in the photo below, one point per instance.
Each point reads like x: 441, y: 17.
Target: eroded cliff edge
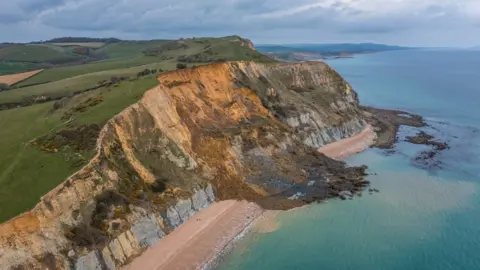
x: 225, y: 131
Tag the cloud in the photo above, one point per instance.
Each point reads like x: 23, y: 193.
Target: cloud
x: 318, y: 20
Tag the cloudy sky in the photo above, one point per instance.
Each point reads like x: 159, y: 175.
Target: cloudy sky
x: 404, y: 22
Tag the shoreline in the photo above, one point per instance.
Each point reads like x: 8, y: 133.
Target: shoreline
x: 200, y: 241
x: 344, y: 148
x: 206, y: 237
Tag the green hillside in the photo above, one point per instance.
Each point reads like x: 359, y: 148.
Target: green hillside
x: 160, y: 54
x: 128, y: 48
x: 15, y: 67
x: 47, y: 140
x: 35, y: 54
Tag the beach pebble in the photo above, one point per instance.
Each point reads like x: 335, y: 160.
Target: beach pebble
x: 296, y: 196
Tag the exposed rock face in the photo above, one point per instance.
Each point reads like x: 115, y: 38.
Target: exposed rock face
x: 224, y: 131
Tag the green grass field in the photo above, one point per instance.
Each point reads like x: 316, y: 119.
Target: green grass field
x: 28, y: 173
x: 122, y: 55
x: 34, y: 54
x: 223, y: 48
x: 13, y: 67
x: 129, y: 48
x: 60, y: 73
x: 70, y: 85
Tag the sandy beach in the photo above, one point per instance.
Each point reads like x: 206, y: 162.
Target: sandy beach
x: 200, y: 240
x: 344, y: 148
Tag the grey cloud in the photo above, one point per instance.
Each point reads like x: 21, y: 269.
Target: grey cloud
x: 8, y: 19
x: 176, y: 15
x: 32, y: 6
x: 275, y: 19
x: 23, y: 10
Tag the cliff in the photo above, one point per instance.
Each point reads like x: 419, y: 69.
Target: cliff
x: 237, y: 130
x: 243, y: 41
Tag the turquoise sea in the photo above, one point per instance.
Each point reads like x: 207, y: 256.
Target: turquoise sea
x: 422, y: 218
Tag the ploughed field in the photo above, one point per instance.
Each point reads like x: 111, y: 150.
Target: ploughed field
x: 18, y: 77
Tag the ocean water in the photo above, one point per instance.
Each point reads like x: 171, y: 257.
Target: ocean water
x: 422, y: 218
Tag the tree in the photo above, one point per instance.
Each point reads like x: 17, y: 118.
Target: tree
x: 4, y: 87
x: 181, y: 66
x: 144, y: 72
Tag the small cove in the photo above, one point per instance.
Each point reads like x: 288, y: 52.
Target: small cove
x: 422, y: 218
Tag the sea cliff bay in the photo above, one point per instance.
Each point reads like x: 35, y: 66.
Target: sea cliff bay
x: 202, y: 156
x: 421, y: 209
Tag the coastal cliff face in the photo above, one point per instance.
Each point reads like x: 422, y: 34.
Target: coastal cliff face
x: 237, y: 130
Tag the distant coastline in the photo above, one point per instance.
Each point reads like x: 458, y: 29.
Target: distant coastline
x: 312, y: 52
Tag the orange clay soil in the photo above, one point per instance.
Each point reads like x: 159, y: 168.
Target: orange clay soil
x: 18, y: 77
x: 201, y: 239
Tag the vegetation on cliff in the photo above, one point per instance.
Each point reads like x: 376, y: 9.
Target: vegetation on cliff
x: 52, y: 126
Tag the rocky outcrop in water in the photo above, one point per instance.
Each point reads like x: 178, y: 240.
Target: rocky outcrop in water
x: 427, y: 139
x: 387, y: 123
x: 427, y: 159
x: 224, y: 131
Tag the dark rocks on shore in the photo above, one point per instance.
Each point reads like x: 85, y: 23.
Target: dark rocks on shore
x: 421, y: 138
x: 387, y: 123
x: 346, y: 182
x: 427, y: 139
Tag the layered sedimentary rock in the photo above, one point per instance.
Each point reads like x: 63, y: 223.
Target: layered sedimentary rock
x: 225, y: 131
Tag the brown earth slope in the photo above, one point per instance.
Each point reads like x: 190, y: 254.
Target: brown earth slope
x: 225, y: 131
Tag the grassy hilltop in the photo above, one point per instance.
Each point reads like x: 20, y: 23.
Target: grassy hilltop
x: 51, y: 120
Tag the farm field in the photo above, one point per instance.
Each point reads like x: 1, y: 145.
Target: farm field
x: 66, y: 87
x: 18, y: 77
x: 7, y: 68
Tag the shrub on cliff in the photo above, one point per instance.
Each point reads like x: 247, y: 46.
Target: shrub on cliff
x: 4, y: 87
x: 181, y: 66
x: 81, y: 50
